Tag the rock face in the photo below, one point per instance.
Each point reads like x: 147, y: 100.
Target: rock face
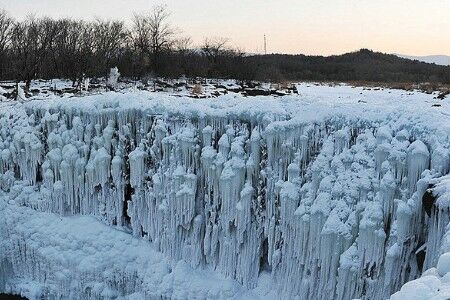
x: 331, y: 209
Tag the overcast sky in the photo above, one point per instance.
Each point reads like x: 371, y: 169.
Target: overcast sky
x: 414, y: 27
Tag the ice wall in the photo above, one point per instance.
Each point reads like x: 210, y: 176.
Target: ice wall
x: 331, y: 209
x: 434, y: 284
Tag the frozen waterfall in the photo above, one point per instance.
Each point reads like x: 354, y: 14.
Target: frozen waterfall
x: 333, y: 207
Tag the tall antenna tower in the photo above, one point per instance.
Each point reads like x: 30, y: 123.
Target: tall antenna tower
x: 265, y: 44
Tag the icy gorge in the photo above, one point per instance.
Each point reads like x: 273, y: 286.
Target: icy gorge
x: 337, y: 193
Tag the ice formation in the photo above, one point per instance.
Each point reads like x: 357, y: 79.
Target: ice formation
x: 315, y: 200
x: 113, y: 78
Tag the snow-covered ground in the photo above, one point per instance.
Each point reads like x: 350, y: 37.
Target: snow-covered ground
x: 194, y: 88
x: 139, y: 195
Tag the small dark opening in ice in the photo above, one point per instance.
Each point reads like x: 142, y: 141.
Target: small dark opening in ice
x: 263, y: 256
x: 143, y: 232
x: 428, y: 200
x: 97, y: 189
x: 420, y: 258
x: 39, y: 177
x: 127, y: 197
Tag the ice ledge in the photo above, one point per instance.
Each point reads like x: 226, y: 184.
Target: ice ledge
x: 109, y: 263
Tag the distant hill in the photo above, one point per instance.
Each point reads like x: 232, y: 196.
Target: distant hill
x: 362, y: 65
x: 441, y: 60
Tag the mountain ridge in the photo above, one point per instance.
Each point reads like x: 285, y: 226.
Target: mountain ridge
x: 361, y: 65
x: 440, y: 60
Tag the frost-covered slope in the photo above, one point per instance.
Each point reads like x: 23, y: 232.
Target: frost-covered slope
x: 324, y: 195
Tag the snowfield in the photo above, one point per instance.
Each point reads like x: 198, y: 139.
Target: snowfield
x: 334, y: 193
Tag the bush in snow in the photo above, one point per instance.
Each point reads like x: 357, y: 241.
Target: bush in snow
x: 197, y: 89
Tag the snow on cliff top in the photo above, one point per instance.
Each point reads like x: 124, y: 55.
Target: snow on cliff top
x: 314, y: 103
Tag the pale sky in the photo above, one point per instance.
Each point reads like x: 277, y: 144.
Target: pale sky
x: 323, y: 27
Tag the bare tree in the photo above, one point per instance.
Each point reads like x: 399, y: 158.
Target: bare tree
x: 183, y: 45
x: 152, y: 34
x: 31, y: 42
x: 216, y: 50
x: 65, y: 48
x: 73, y: 49
x: 48, y: 34
x: 27, y: 45
x: 6, y: 24
x: 85, y: 51
x: 214, y: 47
x: 109, y: 37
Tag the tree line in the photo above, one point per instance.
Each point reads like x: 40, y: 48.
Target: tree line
x: 43, y: 47
x: 73, y: 49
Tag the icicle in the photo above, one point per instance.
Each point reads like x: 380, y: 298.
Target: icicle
x: 418, y: 161
x: 440, y: 160
x: 207, y: 135
x: 342, y: 139
x: 116, y: 169
x: 103, y: 164
x: 137, y: 167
